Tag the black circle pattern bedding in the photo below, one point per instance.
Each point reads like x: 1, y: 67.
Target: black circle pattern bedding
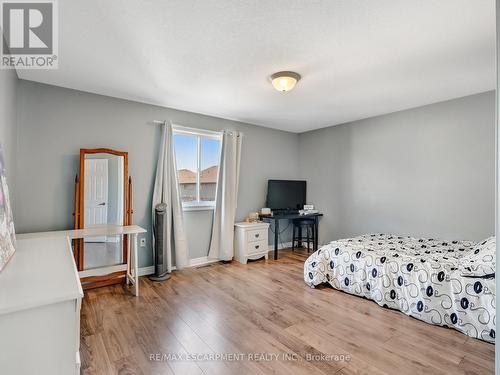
x: 420, y: 277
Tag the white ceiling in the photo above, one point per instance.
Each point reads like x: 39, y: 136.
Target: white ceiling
x: 358, y: 58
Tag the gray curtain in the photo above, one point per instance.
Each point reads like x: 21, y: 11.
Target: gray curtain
x: 166, y: 190
x: 221, y: 244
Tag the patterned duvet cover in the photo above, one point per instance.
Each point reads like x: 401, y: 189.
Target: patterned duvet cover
x: 419, y: 277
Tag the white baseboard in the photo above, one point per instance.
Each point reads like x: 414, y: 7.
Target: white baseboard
x: 281, y: 246
x: 197, y: 262
x: 144, y: 271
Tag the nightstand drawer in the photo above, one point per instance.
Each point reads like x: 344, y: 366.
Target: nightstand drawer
x: 257, y: 235
x: 256, y: 247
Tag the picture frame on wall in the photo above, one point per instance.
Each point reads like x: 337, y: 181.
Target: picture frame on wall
x: 7, y: 231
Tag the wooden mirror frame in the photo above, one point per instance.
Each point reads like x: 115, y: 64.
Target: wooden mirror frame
x: 79, y: 220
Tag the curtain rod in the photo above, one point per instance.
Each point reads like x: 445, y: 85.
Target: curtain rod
x: 188, y: 129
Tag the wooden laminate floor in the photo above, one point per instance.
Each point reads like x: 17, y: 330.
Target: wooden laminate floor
x: 265, y: 316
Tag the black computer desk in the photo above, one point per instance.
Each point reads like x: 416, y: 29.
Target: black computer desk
x: 277, y: 217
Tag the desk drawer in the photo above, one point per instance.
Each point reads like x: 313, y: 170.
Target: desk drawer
x: 256, y: 247
x: 257, y: 235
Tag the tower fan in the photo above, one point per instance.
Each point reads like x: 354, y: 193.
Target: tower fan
x: 160, y: 246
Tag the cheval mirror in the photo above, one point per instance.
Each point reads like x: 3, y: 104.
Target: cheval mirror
x: 103, y: 197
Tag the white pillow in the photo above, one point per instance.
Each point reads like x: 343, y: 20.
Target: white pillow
x: 480, y: 261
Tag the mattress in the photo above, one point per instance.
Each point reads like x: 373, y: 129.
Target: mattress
x: 419, y: 277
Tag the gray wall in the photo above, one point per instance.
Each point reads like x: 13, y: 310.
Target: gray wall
x: 428, y: 171
x: 54, y: 123
x: 8, y: 128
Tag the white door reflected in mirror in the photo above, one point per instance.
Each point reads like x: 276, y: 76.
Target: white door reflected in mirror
x: 103, y: 204
x: 96, y: 195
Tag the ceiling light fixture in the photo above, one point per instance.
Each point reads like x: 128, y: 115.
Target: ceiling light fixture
x: 285, y: 81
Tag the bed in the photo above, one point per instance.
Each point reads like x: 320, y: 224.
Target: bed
x: 446, y: 283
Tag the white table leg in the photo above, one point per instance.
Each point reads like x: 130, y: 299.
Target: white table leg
x: 128, y: 261
x: 136, y: 265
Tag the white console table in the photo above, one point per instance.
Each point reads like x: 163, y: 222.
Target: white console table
x: 40, y: 299
x: 132, y: 266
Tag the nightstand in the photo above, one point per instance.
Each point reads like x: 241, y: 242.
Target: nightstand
x: 250, y: 241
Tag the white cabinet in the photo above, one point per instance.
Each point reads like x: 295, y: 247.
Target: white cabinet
x: 250, y: 241
x: 40, y: 299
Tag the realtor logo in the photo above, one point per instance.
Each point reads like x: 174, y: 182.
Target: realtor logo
x: 30, y: 35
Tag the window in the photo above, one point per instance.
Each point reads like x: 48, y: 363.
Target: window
x: 197, y: 155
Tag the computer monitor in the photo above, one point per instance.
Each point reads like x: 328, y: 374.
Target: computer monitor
x: 286, y: 194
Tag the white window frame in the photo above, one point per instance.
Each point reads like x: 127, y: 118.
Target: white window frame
x: 198, y: 133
